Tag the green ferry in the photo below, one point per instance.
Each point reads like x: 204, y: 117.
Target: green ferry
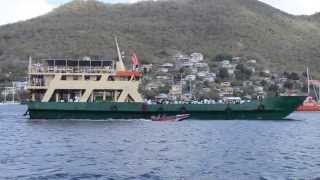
x: 105, y: 89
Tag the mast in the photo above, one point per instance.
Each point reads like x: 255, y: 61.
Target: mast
x: 308, y: 77
x: 190, y: 88
x: 13, y: 92
x: 5, y: 95
x: 29, y: 70
x: 119, y: 64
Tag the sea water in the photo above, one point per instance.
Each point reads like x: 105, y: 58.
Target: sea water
x: 140, y: 149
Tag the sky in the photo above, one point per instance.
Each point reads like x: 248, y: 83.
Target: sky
x: 18, y: 10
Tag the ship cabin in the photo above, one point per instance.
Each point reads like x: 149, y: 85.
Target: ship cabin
x: 82, y: 80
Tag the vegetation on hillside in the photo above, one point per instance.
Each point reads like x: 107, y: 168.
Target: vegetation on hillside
x: 155, y: 29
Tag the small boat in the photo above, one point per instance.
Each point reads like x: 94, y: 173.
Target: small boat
x: 310, y: 105
x: 164, y: 118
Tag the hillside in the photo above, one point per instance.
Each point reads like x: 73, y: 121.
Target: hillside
x: 239, y: 27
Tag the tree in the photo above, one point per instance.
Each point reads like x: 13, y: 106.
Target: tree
x: 288, y: 85
x: 293, y: 76
x: 242, y: 72
x: 221, y: 57
x: 223, y: 73
x: 273, y: 88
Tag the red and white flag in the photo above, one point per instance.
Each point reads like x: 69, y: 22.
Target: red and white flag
x: 134, y: 59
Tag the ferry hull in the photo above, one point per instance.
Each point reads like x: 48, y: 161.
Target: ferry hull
x: 271, y: 108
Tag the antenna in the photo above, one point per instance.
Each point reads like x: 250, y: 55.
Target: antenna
x: 118, y: 49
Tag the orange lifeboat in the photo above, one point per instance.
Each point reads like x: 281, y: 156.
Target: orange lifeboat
x: 309, y: 105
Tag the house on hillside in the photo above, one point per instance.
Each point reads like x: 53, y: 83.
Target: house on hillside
x: 152, y: 86
x: 196, y: 57
x: 225, y: 64
x: 259, y: 90
x: 247, y: 83
x: 236, y: 59
x: 190, y: 77
x: 163, y: 77
x: 176, y: 90
x: 226, y: 91
x: 167, y: 65
x: 226, y: 84
x: 252, y: 62
x: 146, y: 68
x: 182, y: 61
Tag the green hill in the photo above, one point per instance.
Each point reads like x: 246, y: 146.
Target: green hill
x: 154, y: 29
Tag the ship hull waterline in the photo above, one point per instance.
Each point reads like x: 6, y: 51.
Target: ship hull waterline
x: 272, y: 108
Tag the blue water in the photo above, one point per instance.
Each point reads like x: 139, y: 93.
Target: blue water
x: 195, y: 150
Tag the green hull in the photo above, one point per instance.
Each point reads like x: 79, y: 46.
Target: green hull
x: 271, y: 108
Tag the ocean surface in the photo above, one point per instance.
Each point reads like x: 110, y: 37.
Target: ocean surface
x: 141, y: 150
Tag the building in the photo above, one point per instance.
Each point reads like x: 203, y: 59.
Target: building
x: 226, y: 91
x: 209, y: 79
x: 252, y: 62
x: 167, y: 65
x: 176, y: 90
x: 146, y: 68
x: 202, y: 74
x: 259, y: 90
x: 247, y: 83
x: 152, y: 86
x: 21, y: 85
x: 226, y: 84
x: 164, y: 70
x: 162, y: 77
x: 201, y: 65
x: 190, y: 77
x: 196, y: 57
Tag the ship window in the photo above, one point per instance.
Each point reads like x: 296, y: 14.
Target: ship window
x: 72, y: 63
x: 110, y: 78
x: 96, y: 63
x: 61, y: 62
x: 64, y: 77
x: 107, y: 63
x: 98, y: 78
x: 86, y: 77
x: 84, y: 63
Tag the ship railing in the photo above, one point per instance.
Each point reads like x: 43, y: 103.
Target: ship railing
x: 63, y: 69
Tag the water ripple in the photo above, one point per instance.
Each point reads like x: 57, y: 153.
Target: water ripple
x: 36, y: 150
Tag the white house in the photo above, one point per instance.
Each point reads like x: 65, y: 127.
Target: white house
x: 167, y: 65
x: 164, y: 70
x: 209, y: 79
x: 190, y: 77
x: 202, y: 74
x: 196, y: 57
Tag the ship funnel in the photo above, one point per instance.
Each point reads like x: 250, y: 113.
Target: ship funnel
x: 119, y: 64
